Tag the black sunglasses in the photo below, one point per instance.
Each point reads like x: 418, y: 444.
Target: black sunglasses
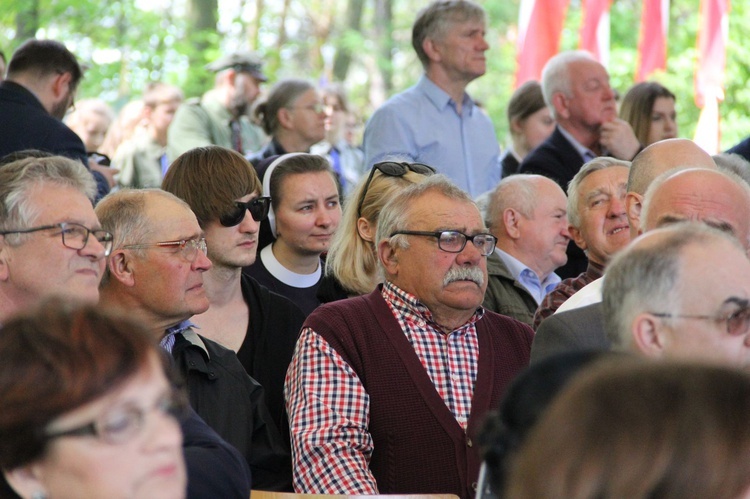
x: 393, y: 169
x: 257, y: 207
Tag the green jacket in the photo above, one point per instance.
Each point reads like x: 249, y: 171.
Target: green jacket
x: 139, y: 161
x: 205, y: 121
x: 505, y: 295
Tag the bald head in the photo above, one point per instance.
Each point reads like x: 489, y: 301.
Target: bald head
x: 659, y: 157
x: 663, y: 156
x: 527, y: 214
x: 716, y: 198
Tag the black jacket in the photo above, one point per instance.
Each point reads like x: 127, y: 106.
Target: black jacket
x: 267, y: 350
x: 231, y: 402
x: 25, y: 124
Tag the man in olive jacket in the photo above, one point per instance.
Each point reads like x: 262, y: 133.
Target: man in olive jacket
x: 528, y: 216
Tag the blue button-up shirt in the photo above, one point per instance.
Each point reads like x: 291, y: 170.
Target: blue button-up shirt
x: 528, y: 278
x: 422, y: 125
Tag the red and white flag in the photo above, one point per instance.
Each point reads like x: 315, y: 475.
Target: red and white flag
x: 540, y: 24
x: 709, y: 73
x: 652, y: 45
x: 594, y: 34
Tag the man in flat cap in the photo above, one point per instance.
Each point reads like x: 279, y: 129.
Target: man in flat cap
x: 219, y: 117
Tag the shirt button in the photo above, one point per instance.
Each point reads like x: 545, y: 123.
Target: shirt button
x: 454, y: 377
x: 469, y: 443
x: 474, y: 486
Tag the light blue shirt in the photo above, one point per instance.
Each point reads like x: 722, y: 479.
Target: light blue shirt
x: 528, y: 278
x: 421, y: 125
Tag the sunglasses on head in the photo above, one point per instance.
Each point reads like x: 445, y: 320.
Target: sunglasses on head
x: 257, y: 207
x: 393, y: 169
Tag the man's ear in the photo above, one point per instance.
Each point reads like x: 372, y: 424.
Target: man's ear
x: 388, y: 257
x: 365, y: 229
x: 120, y: 264
x: 511, y: 218
x: 575, y: 234
x: 560, y: 103
x: 633, y: 207
x: 432, y: 49
x: 25, y: 481
x: 648, y: 335
x: 61, y: 85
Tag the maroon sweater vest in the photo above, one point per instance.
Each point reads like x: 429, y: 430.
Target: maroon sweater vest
x: 418, y: 445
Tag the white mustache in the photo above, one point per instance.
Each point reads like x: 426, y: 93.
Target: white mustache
x: 474, y: 274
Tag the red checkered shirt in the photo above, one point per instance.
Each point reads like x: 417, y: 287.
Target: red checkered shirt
x: 329, y: 408
x: 567, y: 288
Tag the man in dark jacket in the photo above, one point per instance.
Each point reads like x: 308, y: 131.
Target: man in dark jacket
x: 155, y: 274
x: 576, y: 88
x: 42, y: 79
x: 244, y: 316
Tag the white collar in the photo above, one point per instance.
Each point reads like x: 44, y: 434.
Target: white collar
x: 283, y: 274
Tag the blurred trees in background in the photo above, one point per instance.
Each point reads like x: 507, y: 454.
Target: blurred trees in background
x: 364, y: 43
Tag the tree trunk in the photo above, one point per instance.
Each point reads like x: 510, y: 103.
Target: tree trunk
x: 344, y: 54
x: 384, y: 33
x: 27, y: 21
x: 202, y: 16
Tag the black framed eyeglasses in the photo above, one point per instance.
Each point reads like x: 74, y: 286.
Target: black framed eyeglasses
x: 453, y: 241
x: 257, y: 207
x: 392, y: 169
x: 125, y: 423
x: 74, y: 236
x: 187, y: 247
x: 737, y: 323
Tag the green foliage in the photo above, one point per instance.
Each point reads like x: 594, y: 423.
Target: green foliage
x: 126, y: 43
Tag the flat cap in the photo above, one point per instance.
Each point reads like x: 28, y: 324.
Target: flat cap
x: 240, y: 61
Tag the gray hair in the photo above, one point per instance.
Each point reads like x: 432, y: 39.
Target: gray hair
x: 596, y: 164
x: 734, y: 163
x: 19, y: 178
x: 644, y: 277
x: 556, y: 75
x: 434, y: 20
x: 123, y: 213
x: 396, y: 214
x: 516, y: 191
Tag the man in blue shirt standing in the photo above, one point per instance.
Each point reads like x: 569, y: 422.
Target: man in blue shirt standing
x: 436, y: 122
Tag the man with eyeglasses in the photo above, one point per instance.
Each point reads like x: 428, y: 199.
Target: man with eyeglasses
x: 51, y: 243
x: 386, y: 391
x: 681, y: 292
x: 244, y: 316
x: 50, y: 239
x: 155, y: 274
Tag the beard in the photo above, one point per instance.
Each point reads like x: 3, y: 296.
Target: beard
x: 58, y: 110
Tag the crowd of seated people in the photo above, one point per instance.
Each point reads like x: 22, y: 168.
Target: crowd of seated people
x: 243, y: 297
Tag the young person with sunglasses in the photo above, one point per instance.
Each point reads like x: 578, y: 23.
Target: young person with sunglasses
x: 223, y: 191
x: 305, y: 213
x: 351, y: 264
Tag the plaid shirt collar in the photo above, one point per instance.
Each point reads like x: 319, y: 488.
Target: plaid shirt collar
x: 409, y: 305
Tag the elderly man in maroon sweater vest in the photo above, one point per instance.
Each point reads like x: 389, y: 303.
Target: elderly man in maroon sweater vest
x: 386, y: 391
